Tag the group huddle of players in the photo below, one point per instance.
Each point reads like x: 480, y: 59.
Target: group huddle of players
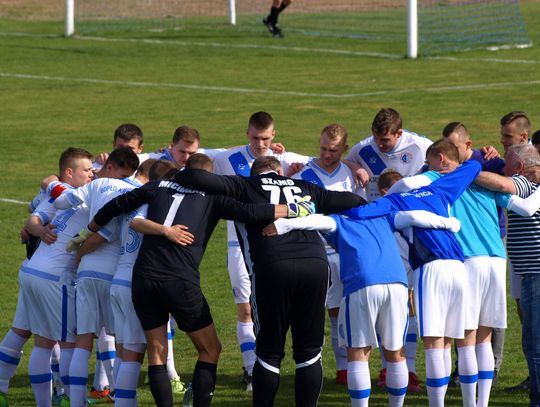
x: 396, y: 263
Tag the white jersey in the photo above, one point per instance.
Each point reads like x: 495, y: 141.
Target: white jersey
x: 100, y: 264
x: 407, y: 158
x: 44, y: 202
x: 40, y: 196
x: 341, y: 179
x: 130, y: 243
x: 51, y: 261
x: 238, y: 161
x: 166, y: 154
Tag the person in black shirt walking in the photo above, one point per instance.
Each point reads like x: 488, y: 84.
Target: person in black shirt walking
x: 290, y: 276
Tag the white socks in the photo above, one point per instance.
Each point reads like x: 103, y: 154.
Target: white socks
x: 78, y: 377
x: 340, y: 353
x: 126, y: 386
x: 39, y: 370
x: 107, y: 354
x: 359, y: 383
x: 468, y: 374
x: 55, y: 367
x: 246, y: 340
x: 171, y: 368
x: 397, y: 379
x: 436, y: 377
x: 10, y: 356
x: 410, y: 345
x: 486, y: 365
x: 65, y: 360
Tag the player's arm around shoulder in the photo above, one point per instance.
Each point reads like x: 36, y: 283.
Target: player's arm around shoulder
x: 496, y: 182
x: 333, y: 201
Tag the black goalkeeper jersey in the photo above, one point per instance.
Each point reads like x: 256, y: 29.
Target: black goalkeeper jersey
x: 172, y: 204
x: 275, y: 189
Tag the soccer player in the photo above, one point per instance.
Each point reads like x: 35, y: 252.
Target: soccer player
x: 515, y: 127
x: 523, y: 251
x: 282, y: 298
x: 98, y: 259
x: 271, y: 20
x: 389, y: 146
x: 437, y: 260
x: 47, y: 284
x: 163, y: 269
x: 185, y: 142
x: 385, y: 181
x: 375, y: 291
x: 329, y: 172
x: 457, y: 133
x: 75, y: 169
x: 485, y: 265
x: 129, y: 335
x: 238, y: 161
x: 125, y: 135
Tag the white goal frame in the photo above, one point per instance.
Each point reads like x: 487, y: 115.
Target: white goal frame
x: 412, y: 23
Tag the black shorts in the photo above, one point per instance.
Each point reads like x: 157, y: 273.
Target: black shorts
x: 153, y: 300
x: 290, y: 293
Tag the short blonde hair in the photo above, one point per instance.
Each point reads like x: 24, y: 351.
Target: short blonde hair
x: 335, y: 131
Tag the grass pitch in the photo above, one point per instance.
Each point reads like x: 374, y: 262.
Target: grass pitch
x: 57, y: 92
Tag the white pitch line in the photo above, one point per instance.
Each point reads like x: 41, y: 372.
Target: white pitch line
x: 13, y: 201
x: 272, y: 47
x: 435, y: 89
x: 216, y: 45
x: 175, y: 86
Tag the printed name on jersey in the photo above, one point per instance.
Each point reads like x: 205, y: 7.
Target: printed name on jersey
x: 113, y: 188
x: 270, y: 181
x: 417, y: 194
x: 179, y: 188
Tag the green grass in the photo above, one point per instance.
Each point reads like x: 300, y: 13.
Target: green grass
x: 57, y: 92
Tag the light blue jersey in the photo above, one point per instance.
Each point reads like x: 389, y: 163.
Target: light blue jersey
x: 429, y: 244
x: 476, y: 208
x: 368, y: 253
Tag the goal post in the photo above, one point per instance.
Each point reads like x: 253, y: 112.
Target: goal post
x: 412, y: 29
x: 398, y: 27
x: 69, y: 18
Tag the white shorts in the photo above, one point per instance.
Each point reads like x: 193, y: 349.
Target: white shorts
x: 335, y: 288
x: 93, y: 306
x: 20, y: 320
x: 515, y: 282
x: 127, y: 327
x: 439, y: 299
x: 49, y: 306
x: 238, y: 274
x: 378, y: 309
x: 485, y: 291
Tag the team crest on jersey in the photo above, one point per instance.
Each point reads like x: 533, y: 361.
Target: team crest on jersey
x: 406, y: 158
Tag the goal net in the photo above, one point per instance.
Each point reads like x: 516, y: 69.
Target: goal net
x: 443, y: 25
